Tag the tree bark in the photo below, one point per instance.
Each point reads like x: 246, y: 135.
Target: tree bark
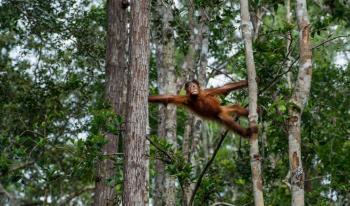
x: 188, y: 71
x: 186, y: 151
x: 203, y: 40
x: 116, y: 63
x: 255, y: 158
x: 256, y: 19
x: 288, y: 46
x: 136, y: 148
x: 299, y: 100
x: 198, y: 50
x: 165, y: 189
x: 104, y: 190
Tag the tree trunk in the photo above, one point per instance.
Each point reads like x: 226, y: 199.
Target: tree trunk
x: 186, y: 151
x: 202, y: 39
x: 255, y: 158
x: 288, y: 46
x: 136, y: 148
x: 104, y: 189
x: 299, y: 100
x: 188, y: 69
x: 193, y: 130
x: 165, y: 189
x: 116, y: 63
x: 256, y: 19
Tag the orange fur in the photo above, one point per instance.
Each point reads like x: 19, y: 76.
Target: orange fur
x: 205, y: 104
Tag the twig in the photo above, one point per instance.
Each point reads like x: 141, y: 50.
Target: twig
x: 328, y: 40
x: 277, y: 78
x: 198, y: 183
x: 75, y: 194
x: 20, y: 165
x: 17, y: 166
x: 286, y: 180
x: 222, y: 72
x: 160, y: 149
x: 222, y: 203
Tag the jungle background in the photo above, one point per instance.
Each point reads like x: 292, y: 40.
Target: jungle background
x: 53, y: 113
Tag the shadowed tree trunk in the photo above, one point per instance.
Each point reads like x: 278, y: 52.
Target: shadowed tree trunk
x: 203, y: 40
x: 116, y: 63
x: 197, y: 50
x: 188, y: 68
x: 255, y: 158
x: 165, y: 190
x: 136, y: 148
x: 299, y: 100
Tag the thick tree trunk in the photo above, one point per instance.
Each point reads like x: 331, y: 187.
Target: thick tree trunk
x: 116, y: 63
x: 136, y: 148
x: 253, y: 116
x: 165, y: 190
x: 299, y: 100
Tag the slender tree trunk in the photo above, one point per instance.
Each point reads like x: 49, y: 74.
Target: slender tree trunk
x: 136, y: 148
x: 256, y: 19
x: 186, y: 151
x: 165, y: 189
x: 188, y: 69
x: 198, y: 48
x: 255, y: 158
x: 104, y: 189
x: 202, y: 39
x: 288, y: 45
x: 299, y: 100
x: 116, y: 63
x: 188, y: 66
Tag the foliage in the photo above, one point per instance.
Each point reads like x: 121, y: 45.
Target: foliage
x: 52, y: 113
x: 49, y: 92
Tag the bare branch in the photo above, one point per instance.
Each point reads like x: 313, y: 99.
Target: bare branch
x: 222, y: 72
x: 279, y: 76
x: 75, y: 194
x: 329, y: 40
x: 206, y: 167
x: 160, y: 149
x: 222, y: 203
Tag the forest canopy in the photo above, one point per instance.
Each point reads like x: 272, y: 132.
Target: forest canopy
x: 72, y: 70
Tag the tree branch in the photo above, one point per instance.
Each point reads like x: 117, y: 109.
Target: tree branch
x: 222, y: 203
x: 198, y: 183
x: 329, y: 40
x: 160, y: 149
x: 222, y: 72
x: 278, y: 77
x: 18, y: 166
x: 75, y: 194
